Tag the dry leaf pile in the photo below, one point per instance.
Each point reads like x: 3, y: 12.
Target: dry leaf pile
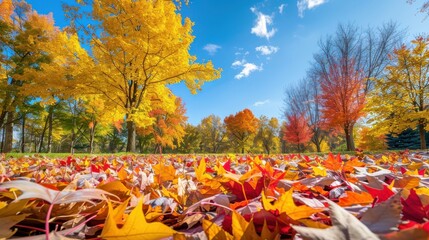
x: 383, y: 196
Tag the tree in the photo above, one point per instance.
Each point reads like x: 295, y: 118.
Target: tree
x: 143, y: 44
x: 343, y: 98
x: 401, y: 99
x: 21, y: 33
x: 266, y: 134
x: 407, y: 139
x: 369, y: 140
x: 303, y: 98
x: 368, y: 49
x: 168, y: 129
x: 213, y: 134
x: 191, y: 141
x: 240, y: 127
x: 297, y: 130
x: 424, y: 8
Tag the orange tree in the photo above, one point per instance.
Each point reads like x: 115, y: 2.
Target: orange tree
x: 240, y: 127
x: 343, y: 98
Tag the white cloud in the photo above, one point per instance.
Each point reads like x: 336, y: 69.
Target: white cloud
x: 281, y: 8
x: 212, y: 48
x: 238, y: 63
x: 267, y: 50
x: 260, y: 103
x: 262, y: 23
x: 248, y: 68
x: 308, y: 4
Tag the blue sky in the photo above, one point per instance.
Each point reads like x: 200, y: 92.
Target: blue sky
x: 266, y: 46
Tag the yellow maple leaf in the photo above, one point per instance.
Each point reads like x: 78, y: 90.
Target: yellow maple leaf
x: 135, y: 226
x: 214, y: 231
x: 285, y: 204
x: 164, y: 173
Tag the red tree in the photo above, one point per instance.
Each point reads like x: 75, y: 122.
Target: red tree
x: 342, y: 98
x: 297, y: 131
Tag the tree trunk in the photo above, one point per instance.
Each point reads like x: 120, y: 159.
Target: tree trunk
x: 73, y: 136
x: 348, y: 130
x: 317, y: 140
x: 2, y: 138
x: 24, y: 117
x: 91, y: 138
x: 43, y: 134
x: 50, y: 118
x: 422, y: 133
x: 9, y: 132
x: 131, y: 140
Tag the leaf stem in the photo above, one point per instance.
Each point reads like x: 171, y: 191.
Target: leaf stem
x: 48, y: 216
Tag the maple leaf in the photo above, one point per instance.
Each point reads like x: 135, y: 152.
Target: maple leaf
x: 355, y: 198
x: 385, y: 216
x: 345, y: 226
x: 214, y: 231
x: 420, y: 231
x: 381, y: 194
x: 135, y: 226
x: 7, y: 223
x: 164, y: 173
x: 285, y: 204
x: 34, y: 190
x: 413, y: 208
x: 333, y: 163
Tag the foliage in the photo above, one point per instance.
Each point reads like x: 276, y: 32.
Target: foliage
x: 223, y: 196
x: 241, y: 127
x: 135, y: 60
x: 400, y: 100
x: 368, y: 140
x: 342, y: 98
x: 267, y: 134
x: 297, y: 131
x: 213, y: 134
x: 169, y: 127
x: 408, y: 139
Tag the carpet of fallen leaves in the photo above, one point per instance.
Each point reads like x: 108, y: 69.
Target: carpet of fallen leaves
x: 383, y: 196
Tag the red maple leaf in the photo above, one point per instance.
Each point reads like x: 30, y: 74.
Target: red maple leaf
x: 380, y: 194
x: 413, y: 208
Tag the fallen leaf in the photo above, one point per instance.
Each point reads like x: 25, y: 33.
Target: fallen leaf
x: 285, y: 204
x: 135, y: 226
x: 385, y: 216
x: 34, y: 190
x: 345, y: 226
x: 353, y: 198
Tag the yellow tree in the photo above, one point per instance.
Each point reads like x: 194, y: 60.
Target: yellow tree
x: 22, y: 30
x: 401, y: 99
x: 267, y: 134
x: 137, y: 46
x: 213, y: 134
x: 241, y: 127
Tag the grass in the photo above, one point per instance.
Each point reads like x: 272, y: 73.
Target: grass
x: 63, y: 155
